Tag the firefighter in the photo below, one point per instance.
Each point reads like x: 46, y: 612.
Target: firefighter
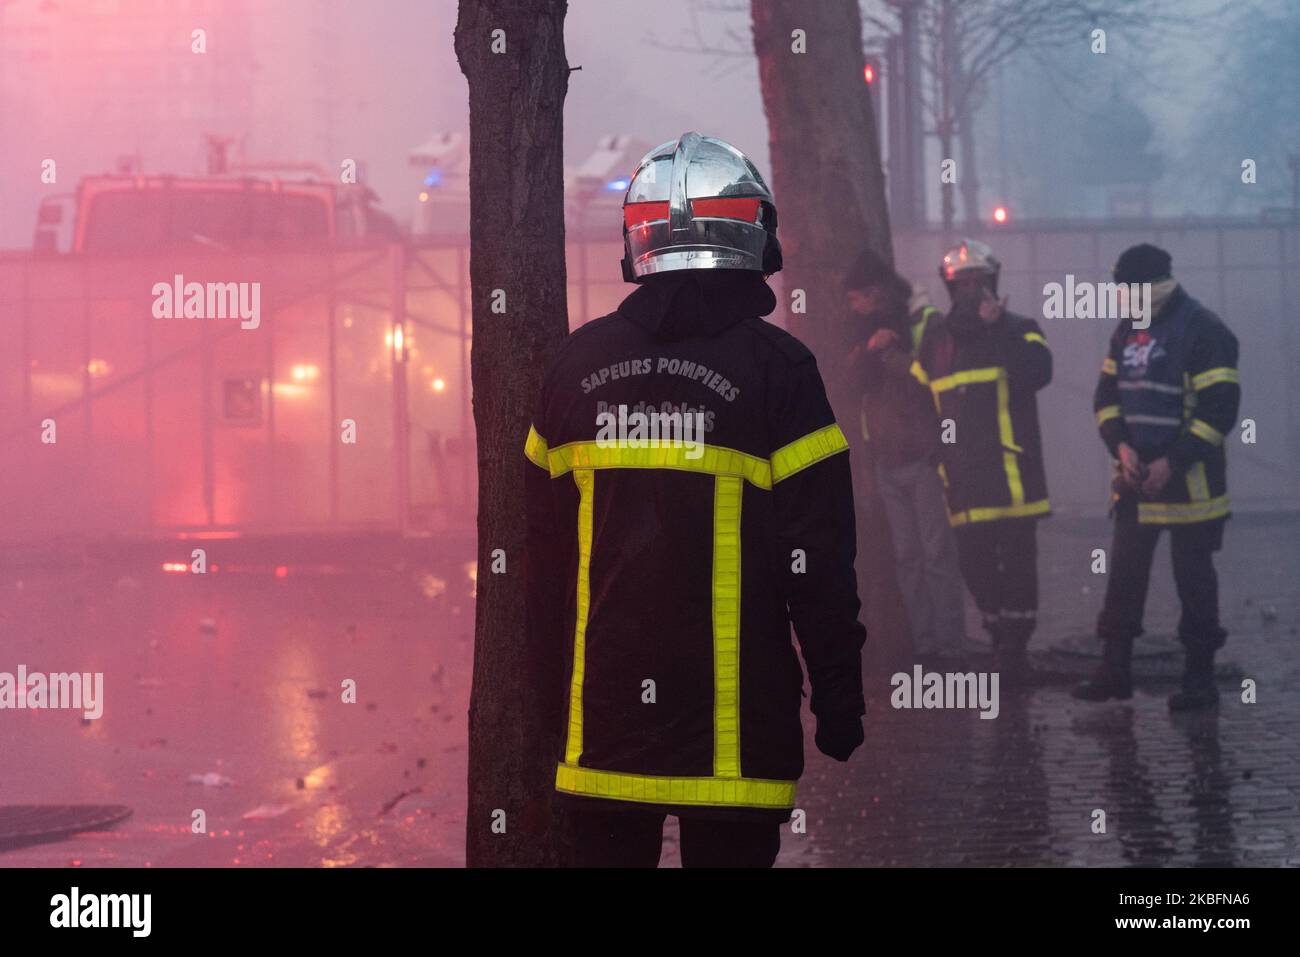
x: 899, y: 429
x: 985, y: 368
x: 667, y: 558
x: 1166, y: 399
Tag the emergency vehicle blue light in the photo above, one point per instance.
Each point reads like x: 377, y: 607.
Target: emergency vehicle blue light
x: 617, y: 185
x: 434, y: 177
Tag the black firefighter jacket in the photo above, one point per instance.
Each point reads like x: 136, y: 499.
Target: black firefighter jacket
x: 1172, y: 390
x: 985, y: 381
x: 666, y: 578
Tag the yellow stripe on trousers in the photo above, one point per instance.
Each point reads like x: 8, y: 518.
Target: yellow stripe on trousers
x: 585, y: 480
x: 727, y: 493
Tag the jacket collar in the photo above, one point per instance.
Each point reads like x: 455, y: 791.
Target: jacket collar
x: 688, y: 303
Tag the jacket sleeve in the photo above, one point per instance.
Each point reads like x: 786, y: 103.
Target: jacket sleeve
x: 1105, y: 400
x: 1028, y: 358
x: 549, y: 555
x: 1212, y: 366
x: 813, y: 492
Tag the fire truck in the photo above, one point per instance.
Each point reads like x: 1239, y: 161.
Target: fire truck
x: 345, y: 409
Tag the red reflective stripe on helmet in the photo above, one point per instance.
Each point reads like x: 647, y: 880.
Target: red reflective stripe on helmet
x: 743, y: 208
x: 634, y: 214
x: 728, y: 207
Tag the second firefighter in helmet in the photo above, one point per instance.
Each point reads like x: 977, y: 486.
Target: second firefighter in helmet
x: 661, y: 586
x: 984, y: 371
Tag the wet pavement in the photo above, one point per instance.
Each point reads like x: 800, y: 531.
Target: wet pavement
x: 947, y: 788
x: 236, y: 675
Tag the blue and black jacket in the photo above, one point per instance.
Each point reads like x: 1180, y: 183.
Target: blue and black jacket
x: 1172, y: 391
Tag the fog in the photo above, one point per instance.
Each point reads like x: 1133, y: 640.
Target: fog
x: 85, y: 82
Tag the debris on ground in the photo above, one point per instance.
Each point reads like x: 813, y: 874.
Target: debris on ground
x: 211, y: 780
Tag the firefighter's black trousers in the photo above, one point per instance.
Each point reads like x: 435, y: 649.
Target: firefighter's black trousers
x: 623, y: 838
x: 1192, y: 549
x: 999, y: 561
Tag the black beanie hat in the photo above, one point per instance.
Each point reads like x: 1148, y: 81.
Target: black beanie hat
x: 1143, y: 263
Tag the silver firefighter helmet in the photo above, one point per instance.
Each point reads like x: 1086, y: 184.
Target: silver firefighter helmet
x: 697, y: 202
x: 971, y: 256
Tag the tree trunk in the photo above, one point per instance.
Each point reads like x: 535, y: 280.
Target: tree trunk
x: 825, y: 150
x: 516, y: 183
x: 830, y: 194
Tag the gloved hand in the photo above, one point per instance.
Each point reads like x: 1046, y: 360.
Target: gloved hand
x: 838, y: 736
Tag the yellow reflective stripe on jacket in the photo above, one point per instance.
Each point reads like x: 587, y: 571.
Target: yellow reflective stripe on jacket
x: 1040, y: 507
x: 727, y: 494
x: 1106, y: 413
x: 1182, y: 513
x: 1198, y: 487
x: 1209, y: 377
x: 1006, y: 436
x: 651, y: 789
x: 708, y: 459
x: 809, y: 450
x: 969, y: 377
x: 535, y: 449
x: 1204, y: 430
x: 730, y: 468
x: 1035, y: 337
x: 1109, y: 366
x: 918, y: 373
x: 1009, y: 448
x: 918, y: 328
x: 585, y: 480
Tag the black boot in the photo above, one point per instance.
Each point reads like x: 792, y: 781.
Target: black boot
x: 1113, y: 677
x: 1199, y: 691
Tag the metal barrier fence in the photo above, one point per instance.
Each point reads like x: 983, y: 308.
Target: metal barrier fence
x: 201, y: 427
x: 219, y: 426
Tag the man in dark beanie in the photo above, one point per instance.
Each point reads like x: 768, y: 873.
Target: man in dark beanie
x: 1165, y: 402
x: 899, y: 431
x: 1143, y: 263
